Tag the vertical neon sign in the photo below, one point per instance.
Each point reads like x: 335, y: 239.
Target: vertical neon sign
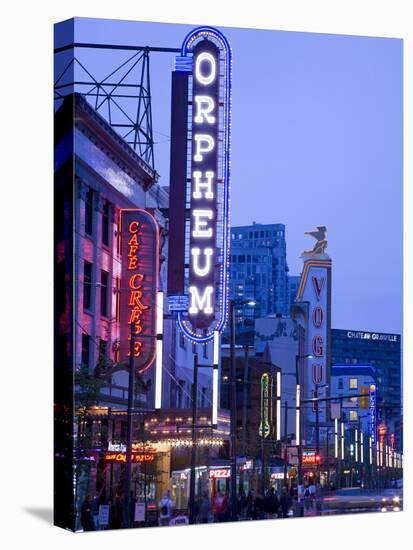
x: 373, y: 416
x: 207, y: 56
x: 203, y: 224
x: 139, y: 249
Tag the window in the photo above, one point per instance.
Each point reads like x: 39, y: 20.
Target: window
x: 103, y: 348
x: 354, y: 400
x: 181, y: 340
x: 106, y: 224
x: 87, y: 285
x: 193, y: 348
x: 180, y: 394
x: 117, y: 299
x: 205, y: 351
x: 353, y: 416
x: 85, y: 350
x: 104, y: 280
x: 353, y: 383
x: 203, y: 397
x: 89, y: 212
x: 340, y: 383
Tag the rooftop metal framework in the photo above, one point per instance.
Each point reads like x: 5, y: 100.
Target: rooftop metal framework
x: 122, y: 96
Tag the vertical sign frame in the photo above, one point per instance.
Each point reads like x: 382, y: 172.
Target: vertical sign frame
x: 139, y: 251
x: 206, y: 55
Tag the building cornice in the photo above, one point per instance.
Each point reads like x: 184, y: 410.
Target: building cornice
x: 99, y: 132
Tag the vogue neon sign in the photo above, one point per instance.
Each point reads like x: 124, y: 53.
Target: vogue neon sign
x: 207, y: 288
x: 318, y: 343
x: 139, y: 250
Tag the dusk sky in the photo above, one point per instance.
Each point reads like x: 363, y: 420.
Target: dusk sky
x: 317, y: 140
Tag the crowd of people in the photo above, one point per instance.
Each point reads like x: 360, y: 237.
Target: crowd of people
x: 251, y: 506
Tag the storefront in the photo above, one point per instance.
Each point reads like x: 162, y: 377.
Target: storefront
x: 208, y: 480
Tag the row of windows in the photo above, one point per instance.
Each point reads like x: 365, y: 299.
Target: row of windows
x: 184, y: 395
x: 183, y: 343
x: 352, y: 383
x: 89, y: 217
x: 85, y: 352
x: 88, y: 285
x: 352, y: 416
x: 257, y: 234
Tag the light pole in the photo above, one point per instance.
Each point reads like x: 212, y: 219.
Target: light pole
x: 298, y: 427
x: 317, y: 424
x: 233, y: 405
x: 129, y: 431
x: 192, y: 515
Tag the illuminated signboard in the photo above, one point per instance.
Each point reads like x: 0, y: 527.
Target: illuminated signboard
x: 382, y: 430
x: 136, y: 457
x: 222, y: 473
x: 373, y: 415
x: 139, y: 249
x: 265, y: 428
x: 277, y: 475
x: 310, y: 458
x: 206, y: 58
x: 121, y: 447
x: 315, y: 291
x: 374, y: 336
x: 203, y: 226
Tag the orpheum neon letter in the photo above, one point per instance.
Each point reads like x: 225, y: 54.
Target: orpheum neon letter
x: 210, y: 61
x: 204, y: 107
x: 203, y: 144
x: 205, y: 91
x: 200, y: 303
x: 202, y: 271
x: 206, y: 184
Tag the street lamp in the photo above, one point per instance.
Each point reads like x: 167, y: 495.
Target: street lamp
x: 298, y: 424
x: 233, y: 403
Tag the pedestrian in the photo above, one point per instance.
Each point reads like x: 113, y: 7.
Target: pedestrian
x: 259, y: 506
x: 86, y: 517
x: 307, y: 499
x: 132, y: 504
x: 285, y: 502
x: 204, y: 508
x: 313, y: 492
x: 266, y: 503
x: 242, y: 504
x: 116, y: 513
x: 95, y: 510
x: 272, y: 504
x: 220, y: 507
x: 165, y: 509
x: 251, y: 505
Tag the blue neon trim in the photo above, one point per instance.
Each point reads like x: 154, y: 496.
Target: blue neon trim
x: 227, y: 141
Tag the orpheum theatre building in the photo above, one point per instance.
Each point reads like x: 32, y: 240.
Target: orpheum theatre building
x: 109, y: 178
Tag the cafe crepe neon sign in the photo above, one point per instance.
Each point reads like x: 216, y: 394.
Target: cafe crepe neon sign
x: 211, y: 57
x: 136, y: 457
x: 139, y: 250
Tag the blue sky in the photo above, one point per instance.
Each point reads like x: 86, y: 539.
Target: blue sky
x: 317, y: 140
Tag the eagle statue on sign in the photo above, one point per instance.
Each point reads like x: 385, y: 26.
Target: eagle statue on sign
x: 321, y: 244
